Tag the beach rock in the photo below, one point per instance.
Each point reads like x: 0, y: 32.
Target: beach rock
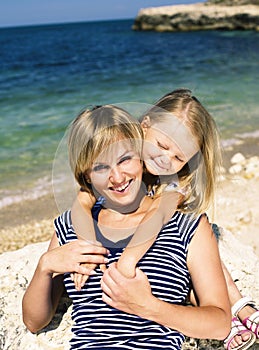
x: 235, y: 169
x: 237, y: 158
x: 211, y: 15
x: 16, y: 270
x: 248, y: 168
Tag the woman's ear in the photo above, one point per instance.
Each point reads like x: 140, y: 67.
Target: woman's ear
x: 145, y: 124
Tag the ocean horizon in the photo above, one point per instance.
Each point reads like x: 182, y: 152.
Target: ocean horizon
x: 50, y: 72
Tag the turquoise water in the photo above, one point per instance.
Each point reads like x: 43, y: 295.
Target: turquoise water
x: 49, y: 73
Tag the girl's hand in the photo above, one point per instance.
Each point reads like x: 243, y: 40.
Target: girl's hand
x: 80, y: 279
x: 131, y: 295
x: 70, y: 256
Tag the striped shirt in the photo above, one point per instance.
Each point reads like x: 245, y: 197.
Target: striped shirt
x: 100, y: 326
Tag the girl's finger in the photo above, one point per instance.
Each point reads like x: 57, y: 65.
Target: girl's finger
x: 78, y: 281
x: 84, y: 280
x: 103, y: 267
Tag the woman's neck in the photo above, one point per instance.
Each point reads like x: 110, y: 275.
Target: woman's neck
x: 116, y: 226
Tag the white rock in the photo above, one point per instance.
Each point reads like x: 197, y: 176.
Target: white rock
x: 235, y: 169
x: 237, y: 158
x: 245, y: 217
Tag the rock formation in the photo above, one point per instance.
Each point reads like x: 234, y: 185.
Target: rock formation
x: 211, y: 15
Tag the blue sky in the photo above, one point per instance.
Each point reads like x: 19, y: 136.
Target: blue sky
x: 23, y: 12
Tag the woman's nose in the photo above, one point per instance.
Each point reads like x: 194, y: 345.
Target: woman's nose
x: 117, y: 175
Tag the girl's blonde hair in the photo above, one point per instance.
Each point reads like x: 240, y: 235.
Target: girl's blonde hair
x: 93, y: 131
x: 198, y: 177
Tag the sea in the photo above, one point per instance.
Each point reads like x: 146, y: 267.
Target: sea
x: 49, y: 73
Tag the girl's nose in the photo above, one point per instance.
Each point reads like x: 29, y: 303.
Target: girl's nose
x: 165, y: 159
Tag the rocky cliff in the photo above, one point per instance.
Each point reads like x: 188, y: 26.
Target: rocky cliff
x: 211, y: 15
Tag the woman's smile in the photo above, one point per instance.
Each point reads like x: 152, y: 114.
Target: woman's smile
x: 122, y: 188
x: 117, y: 174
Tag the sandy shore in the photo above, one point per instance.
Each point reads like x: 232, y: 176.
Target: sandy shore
x: 237, y: 206
x: 27, y: 222
x: 237, y: 209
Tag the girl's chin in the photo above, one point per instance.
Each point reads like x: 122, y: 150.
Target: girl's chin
x: 154, y: 170
x: 151, y: 168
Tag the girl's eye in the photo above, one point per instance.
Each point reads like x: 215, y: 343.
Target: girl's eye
x: 100, y: 167
x: 179, y: 159
x: 162, y: 146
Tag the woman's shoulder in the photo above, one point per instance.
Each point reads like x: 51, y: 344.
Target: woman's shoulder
x: 64, y: 219
x: 185, y: 222
x: 64, y: 228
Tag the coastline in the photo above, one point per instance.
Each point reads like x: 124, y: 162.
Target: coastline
x: 237, y: 208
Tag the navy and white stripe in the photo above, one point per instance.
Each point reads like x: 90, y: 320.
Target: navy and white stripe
x: 99, y: 326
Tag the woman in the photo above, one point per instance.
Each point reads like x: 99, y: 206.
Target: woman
x: 105, y: 148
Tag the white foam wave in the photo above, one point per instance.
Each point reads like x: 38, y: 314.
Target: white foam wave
x: 42, y: 187
x: 240, y: 139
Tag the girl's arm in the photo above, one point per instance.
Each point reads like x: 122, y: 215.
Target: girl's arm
x: 84, y: 228
x: 210, y: 319
x: 82, y: 216
x: 160, y: 212
x: 46, y: 287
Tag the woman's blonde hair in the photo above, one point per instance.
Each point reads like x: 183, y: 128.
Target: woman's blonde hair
x: 198, y: 177
x: 93, y: 131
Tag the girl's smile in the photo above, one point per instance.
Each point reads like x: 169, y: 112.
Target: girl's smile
x: 162, y: 153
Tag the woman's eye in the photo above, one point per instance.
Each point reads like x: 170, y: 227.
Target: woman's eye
x: 100, y: 167
x: 124, y: 159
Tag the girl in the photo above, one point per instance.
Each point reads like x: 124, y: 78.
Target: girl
x: 182, y: 148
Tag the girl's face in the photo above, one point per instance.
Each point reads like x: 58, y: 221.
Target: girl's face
x: 116, y: 174
x: 168, y: 146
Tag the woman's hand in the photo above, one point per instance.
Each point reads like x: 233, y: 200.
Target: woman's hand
x: 70, y: 256
x: 131, y: 295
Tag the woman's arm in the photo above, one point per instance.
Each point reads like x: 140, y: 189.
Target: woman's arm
x: 160, y: 211
x: 43, y: 293
x: 211, y: 319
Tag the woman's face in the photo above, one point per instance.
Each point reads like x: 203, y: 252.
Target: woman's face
x: 168, y: 146
x: 116, y: 174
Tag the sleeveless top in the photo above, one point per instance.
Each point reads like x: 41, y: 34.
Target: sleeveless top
x: 99, y: 326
